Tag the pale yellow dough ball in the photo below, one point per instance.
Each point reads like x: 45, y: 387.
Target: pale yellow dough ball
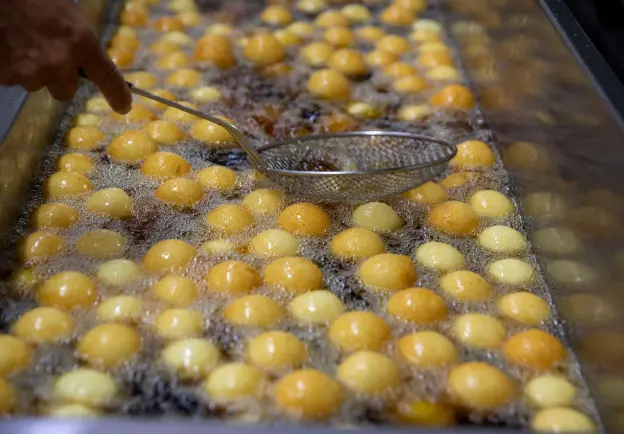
x: 356, y: 13
x: 109, y: 345
x: 174, y: 115
x: 206, y: 94
x: 110, y: 202
x: 217, y: 178
x: 511, y: 271
x: 491, y: 203
x: 556, y: 241
x: 72, y: 411
x: 572, y: 273
x: 276, y: 351
x: 359, y: 330
x: 229, y: 218
x: 308, y: 394
x: 122, y: 308
x: 376, y: 216
x: 479, y: 386
x: 274, y: 243
x: 234, y: 381
x: 175, y: 290
x: 330, y: 18
x: 562, y: 419
x: 183, y: 78
x: 179, y: 324
x: 369, y: 373
x: 524, y: 307
x: 388, y: 272
x: 545, y: 206
x: 550, y: 391
x: 264, y: 201
x: 87, y: 120
x: 87, y: 387
x: 169, y: 254
x: 417, y: 113
x: 54, y: 215
x: 254, y: 310
x: 101, y: 244
x: 181, y: 192
x: 478, y: 331
x: 67, y: 290
x: 191, y: 359
x: 502, y: 239
x: 427, y: 349
x: 316, y: 307
x: 440, y: 257
x: 465, y: 286
x: 218, y: 247
x: 118, y: 272
x: 43, y: 325
x: 165, y: 165
x: 357, y: 243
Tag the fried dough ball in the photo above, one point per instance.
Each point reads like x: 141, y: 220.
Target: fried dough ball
x: 41, y: 245
x: 138, y: 114
x: 210, y: 132
x: 429, y: 193
x: 545, y: 206
x: 550, y: 391
x: 435, y: 58
x: 264, y: 49
x: 370, y: 33
x: 562, y: 419
x: 427, y: 349
x: 502, y: 239
x: 180, y: 192
x: 363, y: 110
x: 534, y: 349
x: 442, y: 73
x: 264, y: 201
x: 453, y: 96
x: 425, y: 30
x: 142, y: 79
x: 440, y: 257
x: 395, y: 15
x: 478, y: 331
x: 301, y: 28
x: 121, y: 308
x: 180, y: 39
x: 191, y: 359
x: 123, y: 41
x: 525, y: 156
x: 380, y: 58
x: 459, y: 179
x: 387, y: 272
x: 167, y: 24
x: 134, y: 15
x: 7, y: 397
x: 376, y: 216
x: 74, y: 162
x: 122, y: 58
x: 588, y: 309
x: 85, y: 386
x: 98, y: 105
x: 229, y: 218
x: 293, y: 274
x: 168, y: 254
x: 491, y: 203
x: 339, y: 36
x: 221, y: 29
x: 274, y: 243
x: 308, y: 394
x: 316, y: 307
x: 234, y: 381
x: 84, y: 137
x: 118, y: 272
x: 171, y: 61
x: 15, y: 356
x: 67, y: 290
x: 423, y: 413
x: 329, y: 84
x: 349, y: 62
x: 111, y: 202
x: 276, y: 351
x: 417, y: 305
x: 556, y: 241
x: 217, y: 178
x: 357, y: 243
x: 454, y: 218
x: 218, y: 247
x: 179, y: 324
x: 165, y: 165
x: 232, y: 277
x: 473, y: 154
x: 132, y: 147
x: 190, y: 18
x: 304, y: 219
x: 109, y: 345
x: 406, y: 85
x: 183, y: 78
x: 331, y: 18
x: 276, y: 15
x: 43, y: 325
x: 511, y: 271
x: 72, y: 411
x: 175, y: 290
x: 359, y: 330
x: 524, y: 307
x: 164, y: 132
x: 216, y: 50
x: 311, y: 6
x: 399, y: 69
x: 287, y: 38
x: 480, y: 386
x: 65, y: 184
x: 163, y: 47
x: 368, y: 373
x: 174, y: 115
x: 317, y: 53
x: 393, y: 44
x: 413, y: 113
x: 54, y: 215
x: 356, y: 13
x: 205, y: 94
x: 465, y: 286
x: 254, y: 310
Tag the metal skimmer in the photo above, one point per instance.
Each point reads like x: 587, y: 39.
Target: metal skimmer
x: 345, y: 167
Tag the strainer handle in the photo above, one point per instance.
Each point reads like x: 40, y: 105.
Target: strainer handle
x: 238, y: 136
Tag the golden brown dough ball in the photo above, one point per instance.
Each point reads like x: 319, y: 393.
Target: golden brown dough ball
x: 183, y: 78
x: 453, y: 96
x: 217, y: 178
x: 175, y: 290
x: 454, y: 218
x: 339, y: 36
x: 264, y: 201
x: 316, y: 307
x: 181, y: 192
x: 137, y: 114
x: 329, y: 84
x: 254, y: 310
x: 478, y: 331
x: 85, y: 386
x: 41, y: 245
x: 264, y: 49
x: 276, y: 351
x: 232, y: 277
x: 395, y: 15
x: 15, y: 356
x: 287, y: 37
x: 431, y: 59
x: 399, y: 69
x: 550, y: 391
x: 376, y: 216
x: 171, y: 61
x: 84, y: 137
x: 118, y: 272
x: 369, y: 373
x: 54, y: 215
x: 406, y: 85
x: 165, y: 165
x: 229, y: 218
x: 459, y: 179
x: 97, y: 104
x: 67, y: 290
x: 413, y: 5
x: 121, y: 308
x: 359, y: 330
x: 562, y: 419
x: 293, y: 274
x: 132, y: 147
x: 424, y: 413
x: 43, y: 325
x: 417, y: 305
x: 125, y: 41
x: 311, y: 7
x: 163, y: 47
x: 221, y: 29
x: 317, y: 53
x: 110, y: 202
x: 167, y: 24
x: 414, y: 113
x: 502, y: 239
x: 210, y: 132
x: 168, y: 254
x: 233, y: 382
x: 174, y: 115
x: 349, y: 62
x: 440, y: 257
x: 381, y: 58
x: 473, y: 154
x: 534, y: 349
x: 164, y: 132
x: 274, y: 243
x: 301, y: 28
x: 74, y: 162
x: 134, y: 15
x: 216, y: 50
x: 191, y: 359
x: 525, y: 156
x: 122, y: 58
x: 491, y: 203
x: 205, y: 94
x: 429, y: 193
x: 179, y: 324
x: 109, y: 345
x: 393, y: 44
x: 479, y: 386
x: 387, y: 272
x: 370, y: 33
x: 142, y: 79
x: 276, y: 15
x: 465, y: 286
x: 524, y: 307
x: 331, y: 18
x: 65, y: 184
x: 308, y: 394
x: 427, y: 349
x: 304, y: 219
x: 357, y: 243
x: 356, y: 13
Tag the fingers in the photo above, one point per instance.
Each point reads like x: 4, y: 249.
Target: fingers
x: 64, y: 86
x: 105, y: 75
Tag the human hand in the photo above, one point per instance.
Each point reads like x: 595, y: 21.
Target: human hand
x: 44, y: 43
